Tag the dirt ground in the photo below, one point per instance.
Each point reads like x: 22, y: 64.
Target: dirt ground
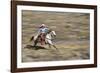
x: 72, y: 40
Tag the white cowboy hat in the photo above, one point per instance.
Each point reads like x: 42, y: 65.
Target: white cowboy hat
x: 43, y: 25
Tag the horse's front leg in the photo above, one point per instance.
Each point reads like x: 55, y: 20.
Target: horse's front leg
x: 55, y: 47
x: 49, y: 45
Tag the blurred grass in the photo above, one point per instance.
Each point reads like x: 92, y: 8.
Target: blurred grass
x: 72, y: 25
x: 72, y: 38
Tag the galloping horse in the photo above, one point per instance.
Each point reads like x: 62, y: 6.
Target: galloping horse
x: 48, y: 38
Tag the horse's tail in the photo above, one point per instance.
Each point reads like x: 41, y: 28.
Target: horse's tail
x: 32, y: 38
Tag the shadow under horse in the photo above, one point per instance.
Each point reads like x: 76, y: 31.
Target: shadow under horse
x: 35, y: 47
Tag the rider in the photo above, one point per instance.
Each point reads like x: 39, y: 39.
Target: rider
x: 42, y: 33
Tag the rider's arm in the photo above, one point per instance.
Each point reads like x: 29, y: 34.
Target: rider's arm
x: 39, y: 31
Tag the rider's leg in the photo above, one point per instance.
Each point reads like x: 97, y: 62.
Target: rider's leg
x: 42, y: 39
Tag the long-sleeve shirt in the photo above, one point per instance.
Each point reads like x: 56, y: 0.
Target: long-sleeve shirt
x: 43, y: 30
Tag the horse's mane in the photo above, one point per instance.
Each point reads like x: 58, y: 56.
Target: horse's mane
x: 49, y: 31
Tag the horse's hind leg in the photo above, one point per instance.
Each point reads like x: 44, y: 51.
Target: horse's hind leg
x: 35, y: 43
x: 49, y: 45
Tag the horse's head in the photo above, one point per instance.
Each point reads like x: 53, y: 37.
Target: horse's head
x: 54, y: 33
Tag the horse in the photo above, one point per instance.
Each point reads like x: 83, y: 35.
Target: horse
x: 50, y: 35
